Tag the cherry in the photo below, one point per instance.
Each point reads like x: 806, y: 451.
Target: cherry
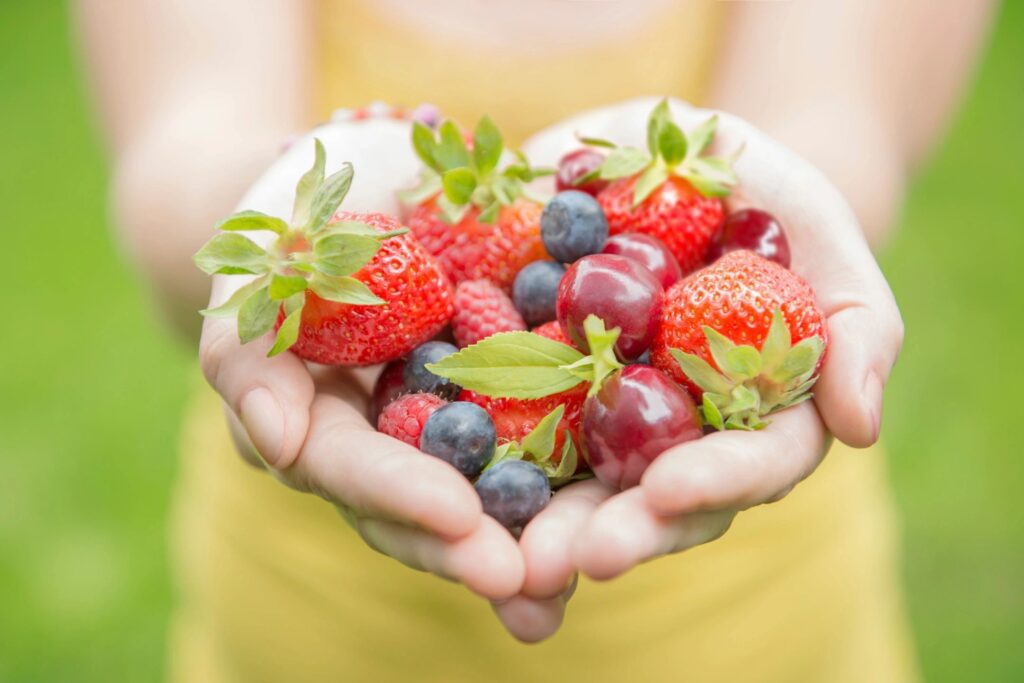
x: 752, y: 229
x: 577, y: 164
x: 649, y: 251
x: 638, y: 413
x: 618, y: 290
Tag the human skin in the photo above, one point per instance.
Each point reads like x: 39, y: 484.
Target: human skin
x: 190, y: 120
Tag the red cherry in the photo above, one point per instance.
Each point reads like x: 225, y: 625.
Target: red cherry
x: 752, y: 229
x: 650, y: 252
x: 616, y: 289
x: 577, y: 164
x: 638, y: 414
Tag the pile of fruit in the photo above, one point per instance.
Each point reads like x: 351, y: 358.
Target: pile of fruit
x: 531, y: 343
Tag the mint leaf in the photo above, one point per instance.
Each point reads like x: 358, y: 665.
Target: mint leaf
x: 672, y: 143
x: 339, y: 253
x: 288, y: 333
x: 308, y: 185
x: 344, y: 290
x: 624, y: 162
x: 231, y: 254
x: 512, y: 364
x: 487, y: 145
x: 459, y: 184
x: 328, y: 197
x: 649, y: 181
x: 424, y: 144
x: 284, y: 286
x: 231, y: 306
x: 602, y: 360
x: 540, y: 442
x: 252, y: 220
x: 256, y: 316
x: 451, y: 153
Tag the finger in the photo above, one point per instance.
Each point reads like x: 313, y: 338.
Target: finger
x: 487, y: 561
x: 624, y: 532
x: 530, y: 620
x: 270, y: 396
x: 736, y: 470
x: 347, y: 462
x: 546, y: 542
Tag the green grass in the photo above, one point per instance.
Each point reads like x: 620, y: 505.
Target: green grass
x: 91, y: 388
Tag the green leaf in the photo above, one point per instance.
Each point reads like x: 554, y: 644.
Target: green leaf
x: 706, y: 187
x: 714, y: 169
x: 596, y: 142
x: 649, y: 181
x: 659, y: 116
x: 459, y: 184
x: 567, y: 465
x: 624, y: 162
x: 540, y: 442
x: 776, y: 343
x: 361, y: 229
x: 344, y: 290
x: 256, y: 316
x: 231, y: 306
x: 339, y: 254
x: 252, y: 220
x: 288, y: 333
x: 451, y: 153
x: 800, y: 360
x: 742, y: 362
x: 329, y: 197
x: 672, y: 143
x: 719, y: 345
x: 701, y: 373
x: 712, y: 415
x: 601, y: 343
x: 701, y: 136
x: 229, y: 253
x: 511, y: 364
x: 425, y: 145
x: 451, y: 213
x: 430, y: 185
x: 504, y: 451
x: 308, y: 185
x: 487, y: 146
x: 744, y: 399
x: 284, y: 286
x: 490, y: 214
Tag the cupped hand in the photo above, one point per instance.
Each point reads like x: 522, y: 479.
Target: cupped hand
x: 691, y: 493
x: 308, y: 423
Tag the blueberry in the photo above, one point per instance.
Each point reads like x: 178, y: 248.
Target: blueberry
x: 513, y: 491
x: 572, y: 226
x: 643, y: 359
x: 418, y: 379
x: 462, y: 434
x: 535, y: 290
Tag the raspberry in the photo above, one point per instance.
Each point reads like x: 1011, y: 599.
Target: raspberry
x: 482, y: 309
x: 404, y: 417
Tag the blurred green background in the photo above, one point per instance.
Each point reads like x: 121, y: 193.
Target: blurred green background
x: 91, y: 388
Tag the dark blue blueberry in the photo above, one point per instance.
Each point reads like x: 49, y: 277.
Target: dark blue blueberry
x: 643, y: 359
x: 513, y: 492
x: 418, y: 379
x: 462, y: 434
x: 573, y: 226
x: 535, y: 290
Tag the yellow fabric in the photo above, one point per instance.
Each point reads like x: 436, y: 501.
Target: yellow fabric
x: 274, y: 585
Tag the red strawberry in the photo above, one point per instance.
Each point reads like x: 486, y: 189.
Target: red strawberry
x: 477, y: 221
x: 514, y: 418
x: 404, y: 417
x: 341, y: 288
x: 553, y: 330
x: 482, y: 309
x: 670, y: 192
x: 742, y: 300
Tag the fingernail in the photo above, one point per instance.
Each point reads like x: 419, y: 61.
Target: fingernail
x: 873, y: 397
x: 263, y: 419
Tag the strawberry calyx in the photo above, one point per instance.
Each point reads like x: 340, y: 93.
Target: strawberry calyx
x: 750, y: 384
x: 670, y: 152
x: 525, y: 365
x: 539, y: 446
x: 461, y: 178
x: 309, y: 253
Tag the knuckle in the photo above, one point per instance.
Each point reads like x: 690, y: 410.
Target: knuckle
x: 214, y: 347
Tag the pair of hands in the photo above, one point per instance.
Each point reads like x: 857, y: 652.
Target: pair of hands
x: 308, y: 424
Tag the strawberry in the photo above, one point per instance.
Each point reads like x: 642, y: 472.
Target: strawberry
x: 341, y: 288
x: 478, y: 221
x: 553, y: 330
x: 482, y: 309
x: 404, y: 417
x: 670, y: 192
x: 514, y: 418
x: 745, y: 336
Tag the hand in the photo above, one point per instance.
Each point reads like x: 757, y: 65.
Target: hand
x: 308, y: 424
x: 691, y: 493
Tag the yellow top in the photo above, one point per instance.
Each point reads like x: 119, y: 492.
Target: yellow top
x: 274, y: 586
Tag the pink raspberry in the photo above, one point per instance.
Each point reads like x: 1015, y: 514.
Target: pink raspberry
x: 482, y: 309
x: 404, y: 417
